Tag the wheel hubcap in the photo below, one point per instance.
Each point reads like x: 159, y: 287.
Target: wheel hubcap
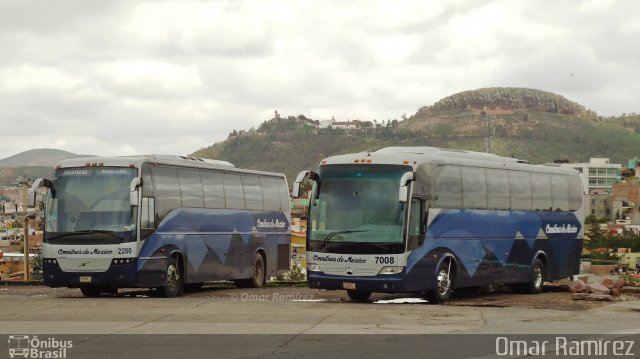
x: 257, y: 272
x: 444, y: 282
x: 538, y: 276
x: 172, y: 277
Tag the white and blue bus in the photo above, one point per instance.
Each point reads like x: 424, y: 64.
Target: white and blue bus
x: 164, y: 222
x: 429, y: 220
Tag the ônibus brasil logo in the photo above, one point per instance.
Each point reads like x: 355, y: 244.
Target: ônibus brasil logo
x: 32, y: 347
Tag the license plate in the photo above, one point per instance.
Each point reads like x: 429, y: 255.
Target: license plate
x: 85, y: 279
x: 349, y: 285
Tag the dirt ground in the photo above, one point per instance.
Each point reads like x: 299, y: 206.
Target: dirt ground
x: 553, y: 297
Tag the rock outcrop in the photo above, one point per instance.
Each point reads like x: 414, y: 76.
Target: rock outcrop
x: 505, y: 99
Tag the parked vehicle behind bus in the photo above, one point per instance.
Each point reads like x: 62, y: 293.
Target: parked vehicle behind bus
x: 162, y: 222
x: 429, y: 220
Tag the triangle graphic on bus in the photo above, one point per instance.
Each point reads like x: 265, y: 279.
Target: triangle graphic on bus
x: 530, y: 241
x: 220, y: 246
x: 542, y: 234
x: 197, y: 251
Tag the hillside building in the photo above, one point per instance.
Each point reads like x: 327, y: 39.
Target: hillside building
x: 597, y: 204
x: 345, y: 125
x: 624, y: 202
x: 598, y: 175
x: 634, y: 166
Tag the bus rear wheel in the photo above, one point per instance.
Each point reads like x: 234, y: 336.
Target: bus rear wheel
x: 358, y: 296
x: 258, y: 278
x: 443, y: 283
x: 537, y: 283
x: 174, y: 285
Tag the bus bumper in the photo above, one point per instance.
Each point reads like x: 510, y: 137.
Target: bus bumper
x: 123, y: 275
x: 120, y: 276
x: 378, y: 284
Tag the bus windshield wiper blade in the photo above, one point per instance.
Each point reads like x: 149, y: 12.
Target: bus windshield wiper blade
x: 330, y: 235
x: 89, y: 231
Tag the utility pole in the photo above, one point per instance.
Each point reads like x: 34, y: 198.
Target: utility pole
x: 25, y: 204
x: 487, y: 140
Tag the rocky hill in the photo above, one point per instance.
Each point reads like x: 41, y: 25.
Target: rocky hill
x: 507, y: 99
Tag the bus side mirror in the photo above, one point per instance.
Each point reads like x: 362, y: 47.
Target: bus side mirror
x: 40, y: 182
x: 133, y: 194
x: 295, y: 191
x: 403, y: 192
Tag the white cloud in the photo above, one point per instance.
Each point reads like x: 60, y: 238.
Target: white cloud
x: 149, y: 78
x: 24, y: 78
x: 130, y: 77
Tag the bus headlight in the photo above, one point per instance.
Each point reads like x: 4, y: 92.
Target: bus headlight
x: 312, y: 267
x: 391, y: 270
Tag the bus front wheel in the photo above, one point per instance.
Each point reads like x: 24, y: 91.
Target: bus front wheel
x: 174, y: 285
x: 443, y: 283
x: 537, y: 283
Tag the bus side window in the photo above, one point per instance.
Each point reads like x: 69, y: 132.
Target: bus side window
x: 233, y: 191
x: 252, y: 192
x: 270, y: 193
x: 284, y: 195
x: 575, y: 193
x: 416, y: 224
x: 560, y: 193
x: 167, y: 191
x: 448, y: 187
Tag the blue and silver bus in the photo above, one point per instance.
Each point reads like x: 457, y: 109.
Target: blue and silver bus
x: 164, y: 222
x: 429, y: 220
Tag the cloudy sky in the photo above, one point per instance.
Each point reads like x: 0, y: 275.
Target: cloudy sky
x: 134, y: 77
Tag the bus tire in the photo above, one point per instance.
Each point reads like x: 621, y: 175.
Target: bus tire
x: 537, y: 283
x: 91, y: 291
x: 174, y: 285
x: 444, y: 281
x: 358, y: 296
x: 258, y: 278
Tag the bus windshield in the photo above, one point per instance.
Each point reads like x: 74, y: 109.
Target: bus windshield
x: 358, y: 204
x: 91, y: 200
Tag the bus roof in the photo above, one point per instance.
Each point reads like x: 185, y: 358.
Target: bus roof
x: 138, y: 161
x: 416, y: 156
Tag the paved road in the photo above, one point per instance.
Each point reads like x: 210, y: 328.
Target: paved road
x: 234, y: 326
x: 246, y: 314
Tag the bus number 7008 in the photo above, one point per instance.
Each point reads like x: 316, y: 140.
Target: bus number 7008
x: 385, y: 260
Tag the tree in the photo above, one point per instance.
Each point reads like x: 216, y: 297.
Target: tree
x: 596, y: 238
x: 592, y: 218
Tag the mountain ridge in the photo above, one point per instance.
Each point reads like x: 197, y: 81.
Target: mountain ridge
x: 34, y: 163
x: 38, y: 157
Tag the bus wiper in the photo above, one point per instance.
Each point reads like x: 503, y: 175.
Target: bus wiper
x: 332, y: 234
x: 88, y: 231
